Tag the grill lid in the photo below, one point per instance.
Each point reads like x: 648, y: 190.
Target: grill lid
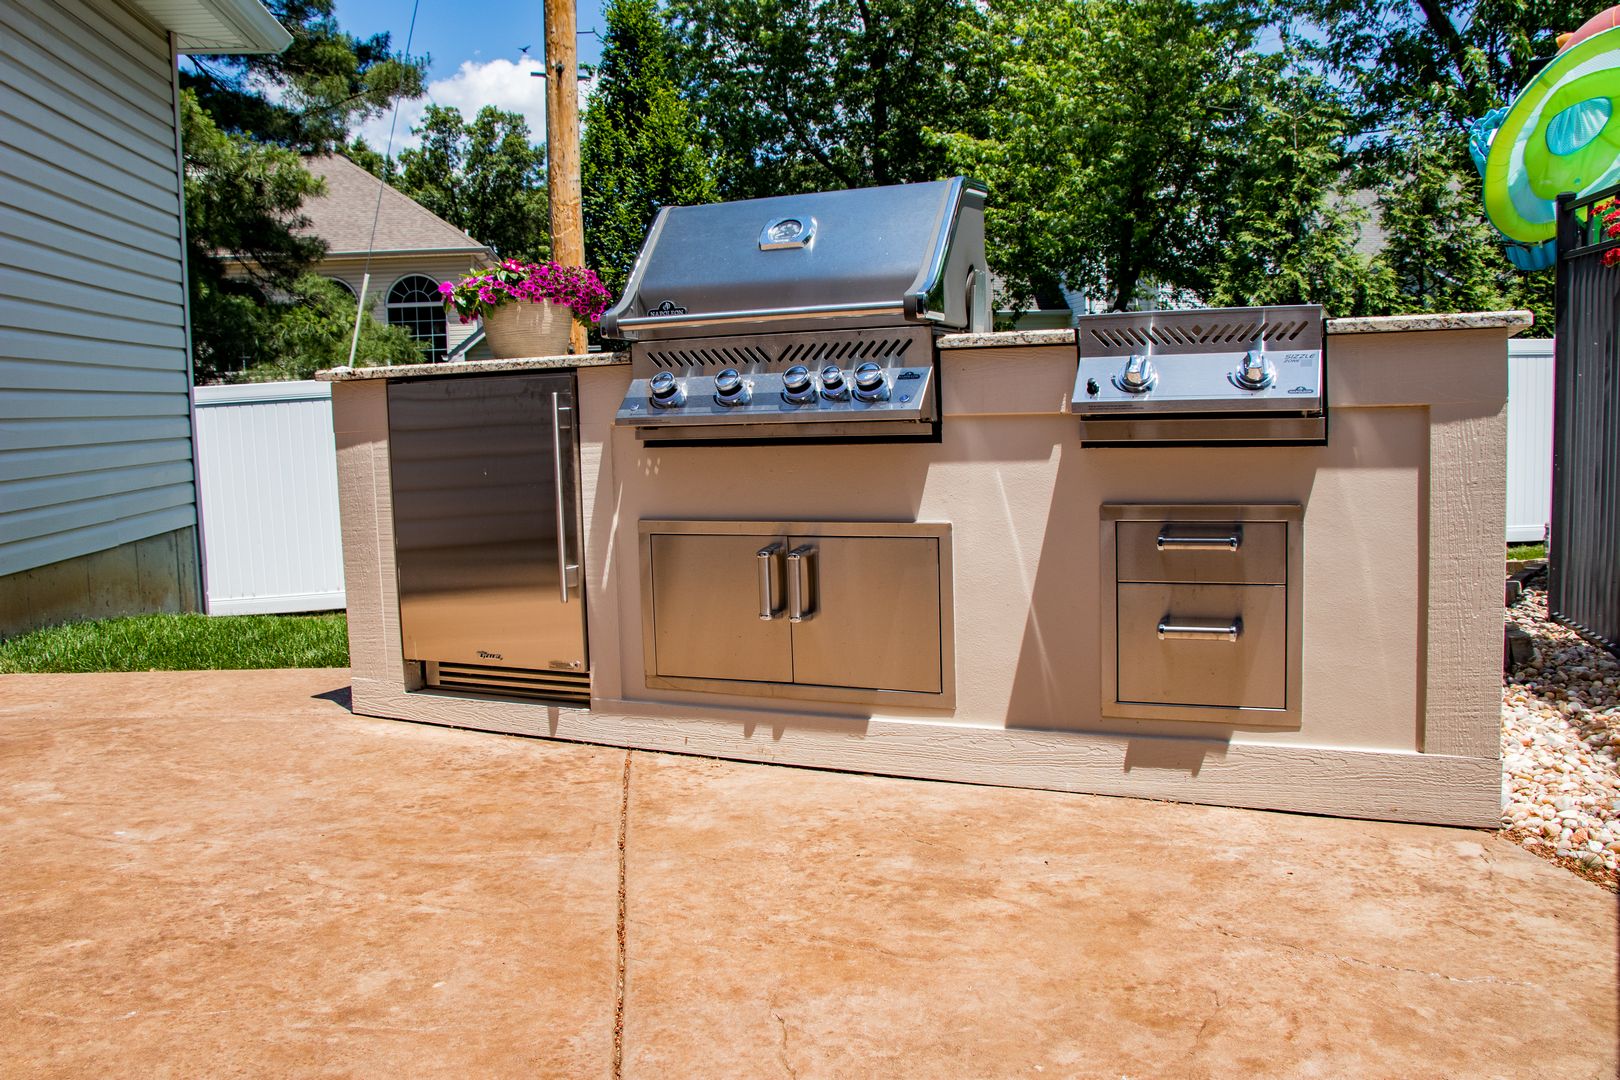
x: 885, y: 256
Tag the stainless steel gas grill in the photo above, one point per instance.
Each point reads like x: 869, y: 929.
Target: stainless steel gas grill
x: 801, y: 316
x: 1212, y: 376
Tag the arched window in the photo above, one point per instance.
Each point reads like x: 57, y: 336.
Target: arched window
x: 345, y: 286
x: 414, y: 303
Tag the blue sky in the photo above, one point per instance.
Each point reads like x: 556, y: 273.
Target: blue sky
x: 476, y: 55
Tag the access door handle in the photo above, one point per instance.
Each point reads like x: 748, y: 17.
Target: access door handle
x: 799, y: 583
x: 766, y: 558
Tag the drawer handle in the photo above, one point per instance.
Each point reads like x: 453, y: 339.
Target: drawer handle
x: 1224, y: 540
x: 1199, y: 629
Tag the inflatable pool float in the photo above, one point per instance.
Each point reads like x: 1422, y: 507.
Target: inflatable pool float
x: 1561, y: 133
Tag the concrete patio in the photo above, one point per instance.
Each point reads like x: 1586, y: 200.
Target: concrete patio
x: 228, y: 874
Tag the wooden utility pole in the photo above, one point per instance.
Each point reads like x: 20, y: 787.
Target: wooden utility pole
x: 562, y: 143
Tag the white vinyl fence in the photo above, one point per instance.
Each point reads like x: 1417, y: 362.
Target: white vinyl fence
x: 1529, y: 439
x: 267, y: 496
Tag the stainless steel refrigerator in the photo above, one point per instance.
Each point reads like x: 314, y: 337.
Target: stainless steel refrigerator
x: 487, y: 533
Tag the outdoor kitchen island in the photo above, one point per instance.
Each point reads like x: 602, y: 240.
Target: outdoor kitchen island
x: 1371, y: 579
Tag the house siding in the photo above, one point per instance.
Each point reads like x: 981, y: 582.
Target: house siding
x: 95, y: 429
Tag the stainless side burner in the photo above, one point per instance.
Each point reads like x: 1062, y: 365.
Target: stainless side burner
x: 1219, y: 375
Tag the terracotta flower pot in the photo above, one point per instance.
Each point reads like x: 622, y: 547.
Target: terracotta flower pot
x: 522, y: 329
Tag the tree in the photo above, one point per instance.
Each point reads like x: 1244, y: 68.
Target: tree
x: 311, y: 326
x: 243, y: 121
x: 641, y: 149
x: 1286, y: 223
x: 1441, y: 255
x: 242, y: 200
x: 484, y: 178
x: 807, y: 95
x: 1152, y: 143
x: 323, y: 83
x: 1414, y: 76
x: 1445, y: 62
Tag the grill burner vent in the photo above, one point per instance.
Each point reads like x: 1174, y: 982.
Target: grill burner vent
x: 756, y: 358
x: 1193, y: 334
x: 742, y: 357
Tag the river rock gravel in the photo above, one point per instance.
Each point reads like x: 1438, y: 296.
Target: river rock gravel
x: 1560, y: 740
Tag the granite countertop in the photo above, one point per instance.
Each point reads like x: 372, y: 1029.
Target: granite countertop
x: 1008, y: 339
x: 1463, y: 320
x: 474, y: 367
x: 1377, y: 324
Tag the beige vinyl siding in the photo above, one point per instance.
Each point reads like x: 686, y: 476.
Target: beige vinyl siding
x: 95, y: 428
x: 388, y: 269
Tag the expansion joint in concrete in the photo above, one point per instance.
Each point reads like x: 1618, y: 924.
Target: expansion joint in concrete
x: 619, y: 958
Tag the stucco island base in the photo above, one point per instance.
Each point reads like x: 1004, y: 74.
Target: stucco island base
x: 1402, y: 534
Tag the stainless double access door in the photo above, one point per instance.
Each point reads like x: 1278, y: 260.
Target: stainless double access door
x: 821, y: 610
x: 485, y: 482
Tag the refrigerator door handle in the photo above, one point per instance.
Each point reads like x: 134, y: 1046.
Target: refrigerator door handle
x: 562, y: 503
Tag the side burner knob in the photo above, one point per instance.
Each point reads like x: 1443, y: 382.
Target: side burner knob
x: 1253, y: 372
x: 870, y: 384
x: 1137, y: 377
x: 666, y: 392
x: 833, y: 386
x: 729, y: 388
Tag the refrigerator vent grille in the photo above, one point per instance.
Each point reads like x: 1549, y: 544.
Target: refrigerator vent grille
x: 565, y: 687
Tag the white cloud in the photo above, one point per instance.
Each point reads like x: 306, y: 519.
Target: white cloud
x: 506, y: 85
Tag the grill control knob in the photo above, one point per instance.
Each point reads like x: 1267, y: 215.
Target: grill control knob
x: 729, y: 388
x: 1253, y: 373
x: 1137, y: 377
x: 666, y: 392
x: 832, y: 383
x: 797, y: 386
x: 870, y: 384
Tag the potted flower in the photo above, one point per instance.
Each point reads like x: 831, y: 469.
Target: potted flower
x: 522, y: 304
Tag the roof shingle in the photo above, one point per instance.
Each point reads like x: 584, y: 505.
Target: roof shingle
x: 342, y: 216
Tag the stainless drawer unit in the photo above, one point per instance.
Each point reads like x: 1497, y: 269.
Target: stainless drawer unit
x: 830, y: 611
x: 1202, y: 613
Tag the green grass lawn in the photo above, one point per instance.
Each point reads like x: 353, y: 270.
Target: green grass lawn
x: 181, y: 643
x: 1527, y: 551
